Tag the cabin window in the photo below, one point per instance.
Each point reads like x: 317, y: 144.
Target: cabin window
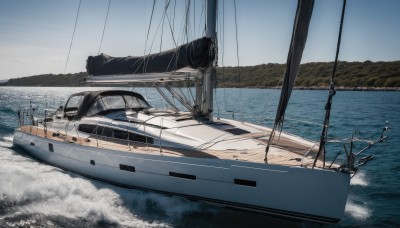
x: 114, y: 102
x: 97, y: 107
x: 182, y: 175
x: 127, y: 168
x: 249, y: 183
x: 51, y: 148
x: 114, y: 133
x: 134, y: 102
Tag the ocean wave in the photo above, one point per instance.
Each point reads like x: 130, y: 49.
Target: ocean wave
x: 33, y: 188
x: 7, y: 141
x: 360, y: 179
x: 357, y: 210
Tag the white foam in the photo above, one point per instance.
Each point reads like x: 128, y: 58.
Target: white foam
x: 9, y: 138
x: 357, y: 210
x: 46, y: 190
x: 360, y: 179
x: 7, y: 141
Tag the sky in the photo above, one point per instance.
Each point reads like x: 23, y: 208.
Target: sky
x: 35, y: 36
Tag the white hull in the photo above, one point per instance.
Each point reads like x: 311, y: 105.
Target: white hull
x: 297, y: 192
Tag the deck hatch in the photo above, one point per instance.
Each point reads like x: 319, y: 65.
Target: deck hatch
x: 127, y: 168
x: 245, y: 182
x: 183, y: 175
x: 51, y: 148
x: 236, y: 131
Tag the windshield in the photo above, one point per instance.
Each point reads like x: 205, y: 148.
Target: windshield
x: 117, y: 102
x: 74, y: 103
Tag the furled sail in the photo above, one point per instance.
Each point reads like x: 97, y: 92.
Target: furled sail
x: 297, y: 44
x: 195, y: 55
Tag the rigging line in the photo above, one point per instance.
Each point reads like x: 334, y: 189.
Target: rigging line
x: 73, y: 34
x: 332, y: 93
x: 223, y: 49
x: 182, y: 99
x: 147, y: 37
x: 188, y: 83
x: 165, y: 97
x: 163, y: 21
x: 183, y: 94
x: 201, y: 16
x: 104, y: 28
x: 215, y: 95
x: 194, y: 19
x: 158, y: 28
x: 148, y: 28
x: 172, y: 31
x: 339, y: 41
x: 187, y: 20
x: 215, y: 91
x: 274, y: 92
x: 173, y: 19
x: 144, y: 56
x: 238, y: 62
x: 181, y: 36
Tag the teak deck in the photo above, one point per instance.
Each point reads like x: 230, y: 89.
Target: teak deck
x: 283, y: 151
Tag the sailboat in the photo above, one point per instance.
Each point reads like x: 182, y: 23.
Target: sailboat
x: 116, y: 136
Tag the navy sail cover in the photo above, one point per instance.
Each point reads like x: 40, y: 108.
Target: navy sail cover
x: 196, y: 54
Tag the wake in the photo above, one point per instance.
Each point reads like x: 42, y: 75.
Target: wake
x: 7, y: 141
x: 30, y: 188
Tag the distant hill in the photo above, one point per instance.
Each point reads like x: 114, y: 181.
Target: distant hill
x: 349, y: 74
x: 49, y: 80
x: 3, y: 82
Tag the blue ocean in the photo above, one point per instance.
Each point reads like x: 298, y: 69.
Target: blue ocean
x: 33, y: 194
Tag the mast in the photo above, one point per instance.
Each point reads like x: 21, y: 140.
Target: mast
x: 205, y: 98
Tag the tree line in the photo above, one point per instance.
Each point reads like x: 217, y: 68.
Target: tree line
x: 315, y: 74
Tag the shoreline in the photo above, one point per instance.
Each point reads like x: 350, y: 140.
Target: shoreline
x: 342, y: 88
x: 339, y: 88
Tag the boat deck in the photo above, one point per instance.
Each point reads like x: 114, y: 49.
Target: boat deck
x: 283, y: 151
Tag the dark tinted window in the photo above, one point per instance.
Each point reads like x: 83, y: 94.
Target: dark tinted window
x: 113, y: 133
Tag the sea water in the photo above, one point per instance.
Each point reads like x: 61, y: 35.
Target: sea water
x: 33, y: 194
